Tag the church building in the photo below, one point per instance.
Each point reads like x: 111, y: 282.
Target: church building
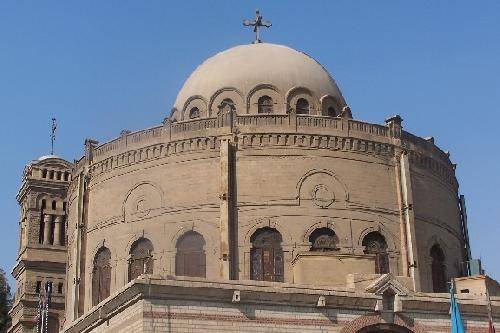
x: 261, y: 203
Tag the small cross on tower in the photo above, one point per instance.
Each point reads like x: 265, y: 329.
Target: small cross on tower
x: 256, y: 24
x: 53, y: 135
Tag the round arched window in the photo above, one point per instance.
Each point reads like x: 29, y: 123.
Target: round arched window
x: 194, y: 113
x: 265, y: 104
x: 323, y: 239
x: 375, y: 244
x: 302, y: 106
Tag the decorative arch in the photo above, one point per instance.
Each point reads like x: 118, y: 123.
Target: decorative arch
x: 194, y: 101
x: 202, y: 227
x: 390, y: 238
x: 373, y: 322
x: 296, y: 93
x: 323, y: 239
x: 261, y: 90
x: 227, y: 92
x: 322, y: 187
x: 328, y: 101
x: 270, y: 223
x: 141, y: 200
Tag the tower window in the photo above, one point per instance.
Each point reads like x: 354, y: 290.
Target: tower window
x: 54, y: 205
x: 44, y: 173
x: 265, y: 104
x: 60, y: 287
x: 302, y: 106
x: 194, y: 113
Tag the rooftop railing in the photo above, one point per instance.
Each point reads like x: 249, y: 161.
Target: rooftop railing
x: 230, y: 122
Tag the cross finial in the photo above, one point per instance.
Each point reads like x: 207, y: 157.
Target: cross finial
x: 256, y: 24
x: 53, y: 135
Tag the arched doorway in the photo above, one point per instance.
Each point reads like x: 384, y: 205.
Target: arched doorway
x: 266, y: 255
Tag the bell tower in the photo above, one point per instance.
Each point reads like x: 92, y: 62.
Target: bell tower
x: 42, y: 253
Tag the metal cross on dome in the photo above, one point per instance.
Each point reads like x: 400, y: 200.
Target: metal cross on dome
x: 256, y: 24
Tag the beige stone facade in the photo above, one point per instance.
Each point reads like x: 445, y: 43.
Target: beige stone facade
x: 42, y: 251
x: 261, y: 173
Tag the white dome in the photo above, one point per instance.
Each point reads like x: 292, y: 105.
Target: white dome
x: 246, y: 66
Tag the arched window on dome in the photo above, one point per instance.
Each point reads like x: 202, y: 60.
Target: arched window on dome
x: 266, y: 262
x: 330, y: 111
x: 101, y: 275
x: 190, y: 259
x: 265, y: 104
x: 438, y: 269
x: 302, y: 106
x: 227, y: 105
x: 141, y: 258
x: 194, y: 113
x: 323, y: 239
x: 375, y: 244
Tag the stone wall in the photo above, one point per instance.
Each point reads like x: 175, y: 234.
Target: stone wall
x: 164, y: 181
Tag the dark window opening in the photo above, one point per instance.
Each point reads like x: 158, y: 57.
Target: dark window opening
x: 141, y: 258
x: 101, y: 275
x: 51, y: 174
x: 54, y: 205
x: 267, y: 260
x: 226, y: 105
x: 66, y: 176
x: 265, y: 104
x: 48, y: 287
x: 38, y: 287
x: 331, y: 112
x: 438, y: 269
x: 60, y: 288
x: 302, y: 106
x: 388, y: 298
x: 194, y: 113
x: 375, y: 244
x: 44, y: 173
x: 323, y: 239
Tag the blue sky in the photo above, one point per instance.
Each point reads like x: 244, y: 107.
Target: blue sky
x: 103, y: 66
